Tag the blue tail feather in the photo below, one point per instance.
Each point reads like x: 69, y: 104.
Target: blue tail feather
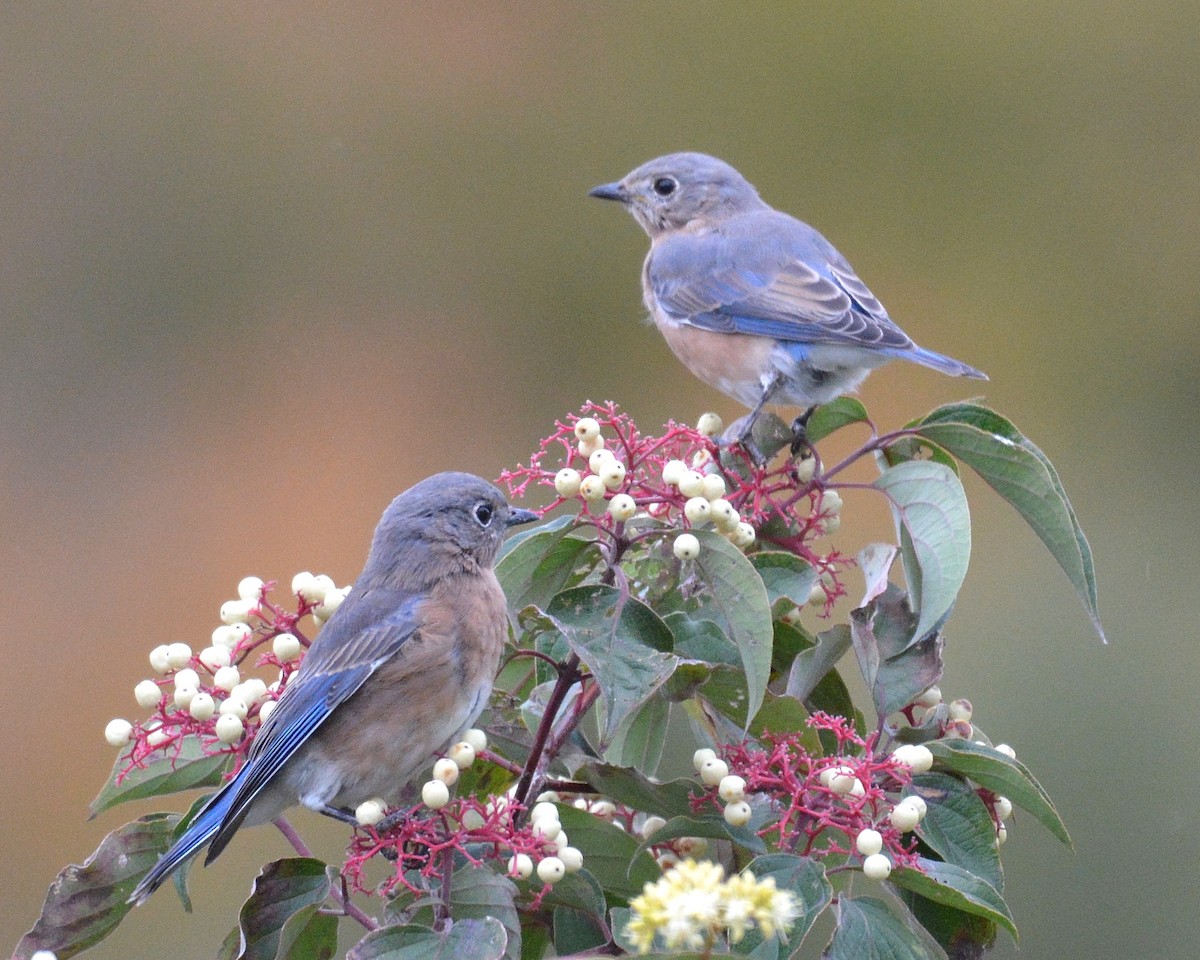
x: 198, y: 833
x: 936, y: 361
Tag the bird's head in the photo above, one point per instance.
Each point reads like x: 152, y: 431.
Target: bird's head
x: 454, y: 520
x: 671, y: 192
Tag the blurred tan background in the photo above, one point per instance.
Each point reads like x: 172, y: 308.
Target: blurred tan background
x: 264, y: 265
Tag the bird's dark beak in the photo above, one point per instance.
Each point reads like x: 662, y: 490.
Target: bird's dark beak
x: 609, y: 191
x: 516, y: 517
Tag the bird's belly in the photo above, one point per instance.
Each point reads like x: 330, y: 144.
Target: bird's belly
x: 737, y: 364
x: 818, y: 373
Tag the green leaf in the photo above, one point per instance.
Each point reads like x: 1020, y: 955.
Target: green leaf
x: 609, y: 854
x: 483, y: 939
x: 959, y: 826
x: 811, y: 665
x: 895, y: 669
x: 833, y: 416
x: 162, y: 775
x: 737, y: 591
x: 1024, y: 476
x: 620, y: 640
x: 968, y: 934
x: 701, y: 640
x: 578, y: 891
x: 634, y: 789
x: 931, y: 509
x: 179, y: 878
x: 714, y: 827
x: 576, y: 932
x: 85, y: 903
x: 785, y: 575
x: 805, y: 878
x: 639, y: 741
x: 537, y: 563
x: 1003, y: 775
x: 282, y: 907
x: 868, y: 930
x: 955, y: 887
x: 475, y: 893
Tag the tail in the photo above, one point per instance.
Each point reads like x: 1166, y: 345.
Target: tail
x: 947, y: 365
x: 201, y: 830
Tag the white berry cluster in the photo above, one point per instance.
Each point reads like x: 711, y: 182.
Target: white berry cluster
x: 705, y: 504
x: 606, y: 473
x: 208, y: 683
x: 544, y: 822
x: 714, y: 772
x: 670, y: 853
x: 320, y: 592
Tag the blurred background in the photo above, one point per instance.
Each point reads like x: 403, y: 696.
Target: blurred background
x: 265, y: 265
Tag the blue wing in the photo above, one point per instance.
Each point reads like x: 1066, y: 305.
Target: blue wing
x: 768, y: 274
x: 347, y: 651
x: 368, y: 629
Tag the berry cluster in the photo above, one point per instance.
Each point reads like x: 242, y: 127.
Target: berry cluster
x: 211, y: 695
x: 684, y: 479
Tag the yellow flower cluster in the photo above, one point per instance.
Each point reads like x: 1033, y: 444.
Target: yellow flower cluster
x: 693, y: 903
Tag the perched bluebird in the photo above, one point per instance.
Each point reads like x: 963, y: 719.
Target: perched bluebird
x: 753, y: 301
x: 401, y: 669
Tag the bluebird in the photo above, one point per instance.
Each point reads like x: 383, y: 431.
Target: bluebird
x: 753, y: 301
x: 401, y: 669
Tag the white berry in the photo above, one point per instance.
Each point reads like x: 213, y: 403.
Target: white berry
x: 1004, y: 808
x: 520, y: 866
x: 435, y: 794
x: 732, y: 788
x: 592, y: 488
x: 229, y: 728
x: 600, y: 459
x: 604, y: 809
x: 587, y: 428
x: 546, y: 829
x: 215, y: 657
x: 691, y: 484
x: 118, y: 732
x: 613, y: 474
x: 226, y: 678
x: 702, y: 755
x: 930, y: 698
x: 572, y: 859
x: 370, y: 812
x: 877, y: 866
x: 744, y: 536
x: 179, y: 655
x: 147, y: 694
x: 621, y: 507
x: 250, y: 588
x: 904, y: 816
x: 187, y: 677
x: 202, y: 706
x: 304, y: 585
x: 1001, y: 834
x: 869, y: 842
x: 724, y: 515
x: 651, y: 825
x: 462, y: 753
x: 446, y: 770
x: 709, y: 425
x: 673, y: 471
x: 1005, y: 749
x: 712, y: 487
x: 160, y: 658
x: 237, y: 611
x: 476, y: 738
x: 712, y: 772
x: 915, y: 756
x: 566, y: 482
x: 686, y: 547
x: 544, y: 810
x: 551, y: 870
x: 961, y: 709
x: 286, y: 646
x: 698, y: 511
x: 183, y: 697
x: 738, y: 814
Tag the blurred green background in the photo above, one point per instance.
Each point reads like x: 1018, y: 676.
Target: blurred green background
x: 264, y: 265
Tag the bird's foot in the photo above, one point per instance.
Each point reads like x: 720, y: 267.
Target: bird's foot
x: 338, y: 813
x: 799, y: 444
x: 391, y: 820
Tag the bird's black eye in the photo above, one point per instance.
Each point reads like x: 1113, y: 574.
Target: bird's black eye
x: 483, y: 513
x: 665, y: 186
